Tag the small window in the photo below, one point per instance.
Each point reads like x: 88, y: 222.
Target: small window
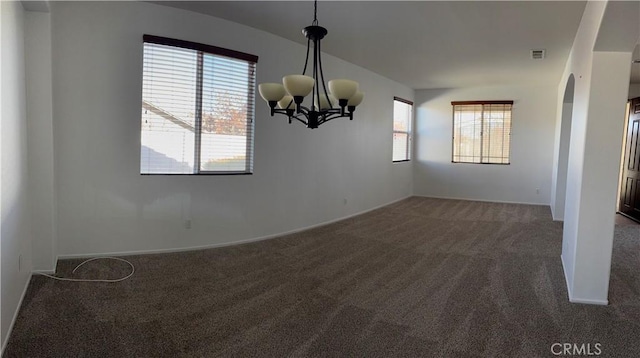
x: 197, y: 109
x: 482, y: 132
x: 402, y: 114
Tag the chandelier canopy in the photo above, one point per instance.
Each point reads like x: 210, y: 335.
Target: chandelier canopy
x: 286, y: 98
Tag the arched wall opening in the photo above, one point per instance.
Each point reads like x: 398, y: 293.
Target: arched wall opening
x: 563, y: 154
x: 600, y: 60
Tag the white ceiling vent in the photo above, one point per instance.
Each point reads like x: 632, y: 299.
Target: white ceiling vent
x: 537, y: 54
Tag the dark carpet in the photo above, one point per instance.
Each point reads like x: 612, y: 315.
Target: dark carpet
x: 418, y: 278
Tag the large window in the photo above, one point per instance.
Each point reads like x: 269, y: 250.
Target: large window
x: 402, y: 114
x: 482, y: 132
x: 197, y: 109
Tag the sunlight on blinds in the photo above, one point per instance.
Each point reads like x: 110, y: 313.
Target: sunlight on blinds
x: 402, y: 114
x: 197, y: 112
x: 482, y: 133
x: 168, y: 110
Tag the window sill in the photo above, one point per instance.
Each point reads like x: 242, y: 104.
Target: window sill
x: 453, y: 162
x: 195, y: 175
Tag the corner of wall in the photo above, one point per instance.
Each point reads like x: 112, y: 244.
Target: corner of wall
x: 5, y: 339
x: 40, y: 143
x: 16, y: 236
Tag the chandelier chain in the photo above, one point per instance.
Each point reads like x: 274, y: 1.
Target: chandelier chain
x: 315, y: 12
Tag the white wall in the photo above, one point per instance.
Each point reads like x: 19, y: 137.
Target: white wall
x: 531, y: 151
x: 15, y: 245
x: 600, y: 175
x: 601, y: 88
x: 558, y: 197
x: 562, y: 139
x: 578, y: 64
x: 301, y: 177
x: 40, y: 138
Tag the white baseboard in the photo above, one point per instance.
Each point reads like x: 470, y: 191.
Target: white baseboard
x: 48, y: 272
x: 589, y: 302
x: 224, y: 244
x: 566, y: 277
x: 15, y: 316
x: 481, y: 200
x: 557, y: 218
x: 573, y: 299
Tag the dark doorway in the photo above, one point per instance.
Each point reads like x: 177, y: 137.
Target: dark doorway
x: 629, y: 187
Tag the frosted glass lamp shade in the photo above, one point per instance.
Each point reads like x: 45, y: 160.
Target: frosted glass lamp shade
x: 343, y: 89
x: 356, y: 99
x: 324, y: 104
x: 271, y: 91
x: 298, y: 85
x: 287, y: 101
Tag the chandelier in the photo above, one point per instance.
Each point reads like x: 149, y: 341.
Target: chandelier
x: 339, y: 102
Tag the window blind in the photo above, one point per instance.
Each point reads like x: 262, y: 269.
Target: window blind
x: 197, y: 109
x: 402, y: 114
x: 482, y: 132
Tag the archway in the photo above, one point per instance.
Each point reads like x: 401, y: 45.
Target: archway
x: 563, y: 151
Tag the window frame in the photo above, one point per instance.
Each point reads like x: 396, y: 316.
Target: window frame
x: 453, y: 129
x: 409, y: 131
x: 203, y: 49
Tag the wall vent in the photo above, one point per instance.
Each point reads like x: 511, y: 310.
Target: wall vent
x: 537, y: 54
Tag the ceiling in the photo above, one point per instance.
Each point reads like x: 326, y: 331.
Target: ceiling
x: 635, y: 67
x: 425, y: 44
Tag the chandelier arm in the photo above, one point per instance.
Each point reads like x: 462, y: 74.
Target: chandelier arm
x: 323, y: 116
x: 324, y: 87
x: 297, y: 116
x: 318, y: 71
x: 306, y: 60
x: 327, y: 119
x: 304, y: 110
x: 315, y: 74
x: 280, y: 111
x: 334, y: 111
x: 299, y: 120
x: 334, y: 115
